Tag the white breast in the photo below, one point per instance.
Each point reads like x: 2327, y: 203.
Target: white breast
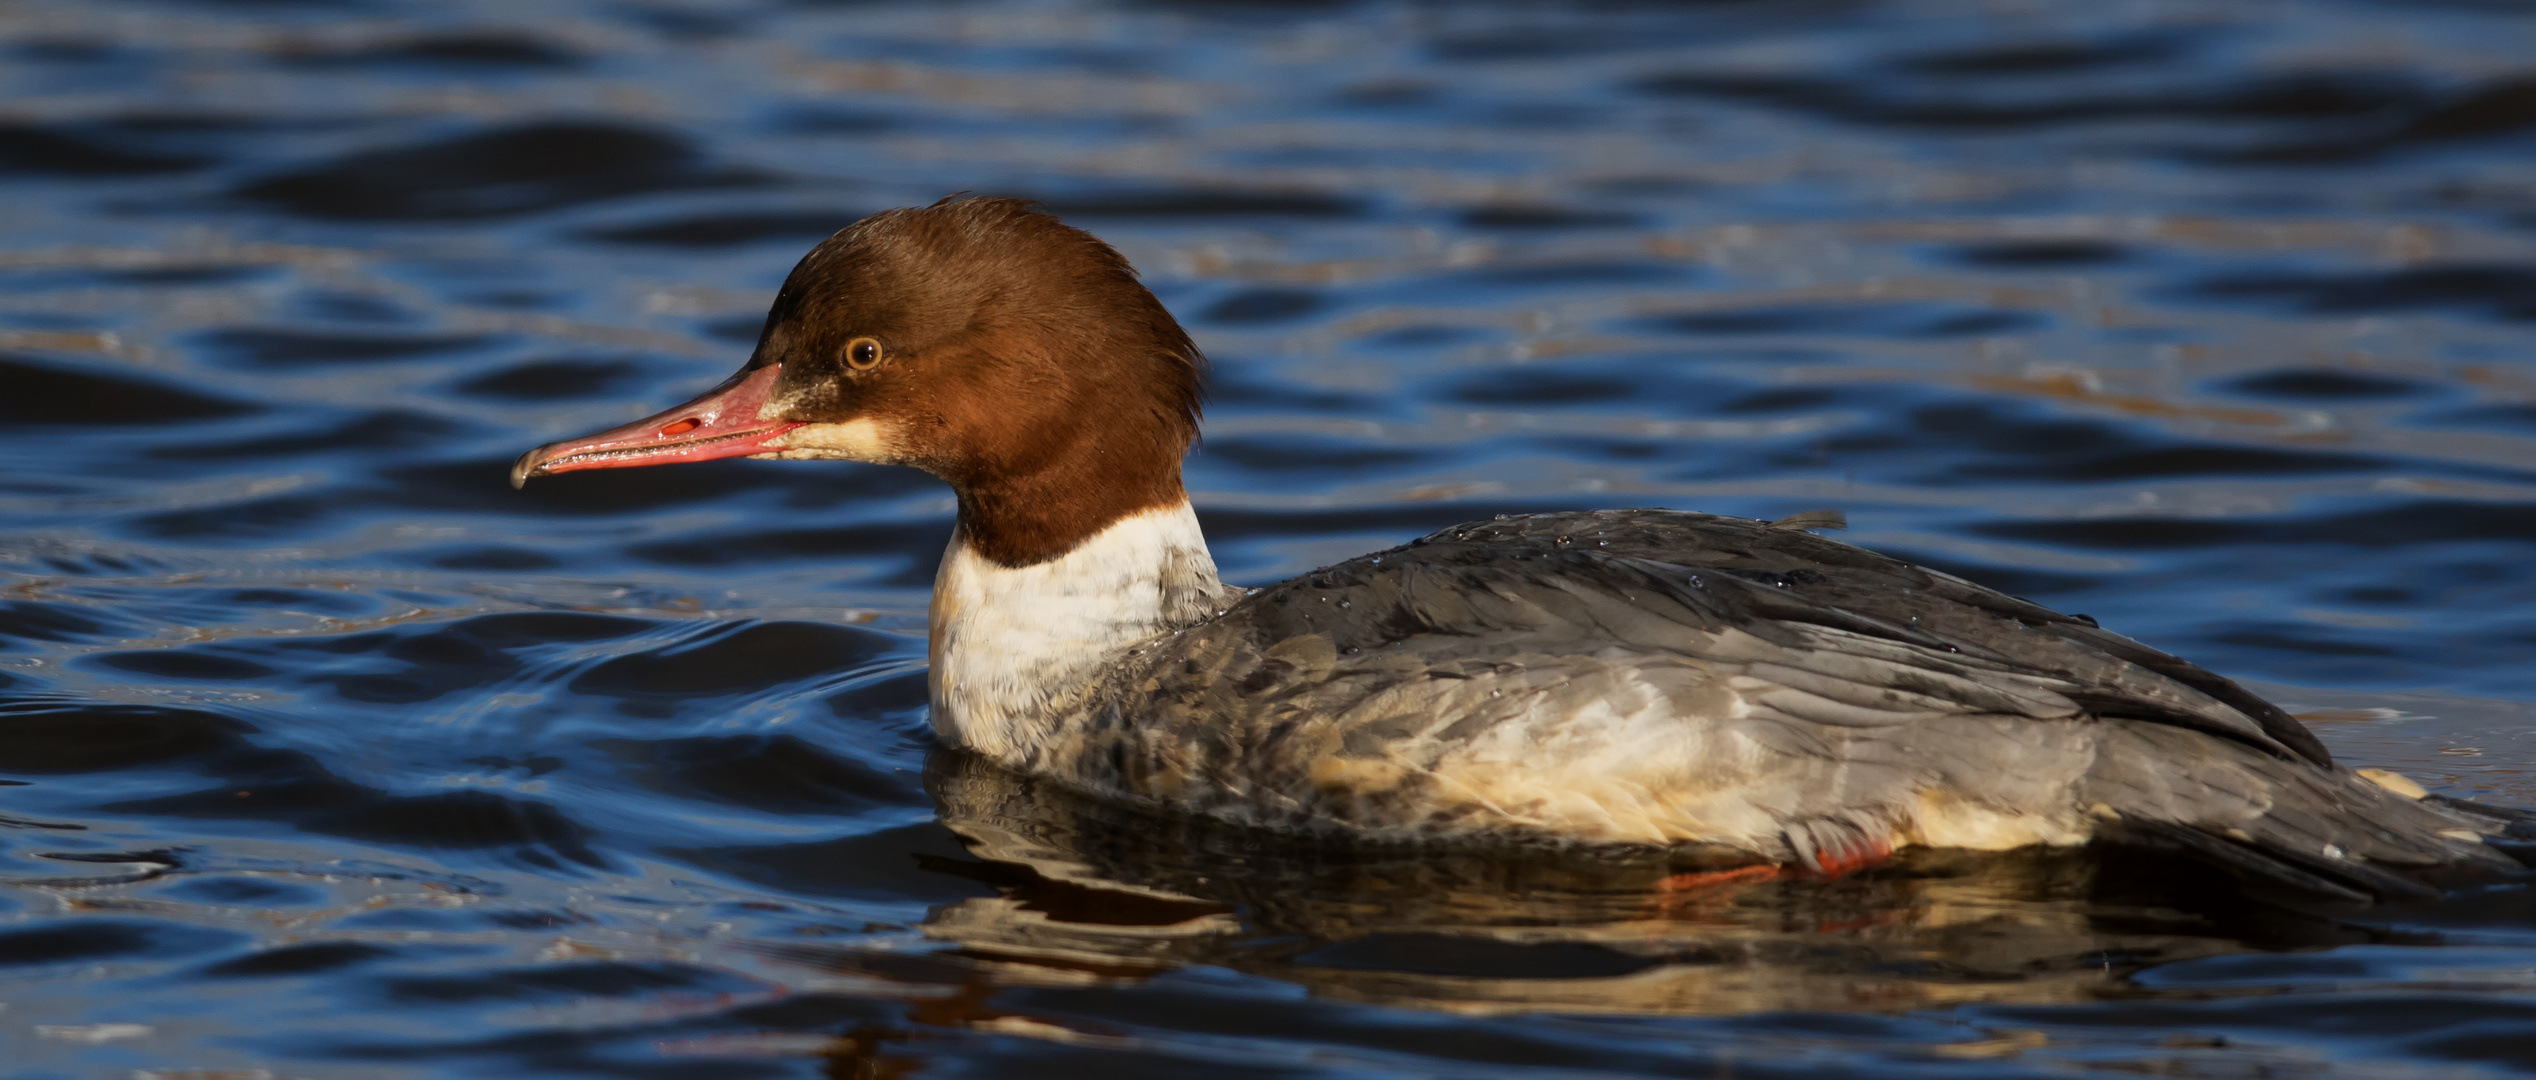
x: 1013, y: 645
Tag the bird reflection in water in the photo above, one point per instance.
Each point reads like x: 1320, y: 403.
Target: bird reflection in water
x: 1089, y: 894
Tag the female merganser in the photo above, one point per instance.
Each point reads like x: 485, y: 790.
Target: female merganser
x: 1642, y: 677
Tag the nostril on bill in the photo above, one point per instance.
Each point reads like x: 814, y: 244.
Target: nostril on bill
x: 682, y: 427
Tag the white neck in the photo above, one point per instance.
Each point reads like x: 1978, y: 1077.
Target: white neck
x: 1013, y: 648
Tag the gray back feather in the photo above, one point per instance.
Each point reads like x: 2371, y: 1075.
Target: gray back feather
x: 1824, y: 686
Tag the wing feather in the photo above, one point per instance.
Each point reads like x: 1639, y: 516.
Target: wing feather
x: 1653, y: 676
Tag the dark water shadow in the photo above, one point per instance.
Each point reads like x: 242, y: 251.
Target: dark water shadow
x: 1081, y: 888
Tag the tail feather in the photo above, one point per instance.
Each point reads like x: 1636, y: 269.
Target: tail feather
x: 2319, y: 829
x: 2515, y: 823
x: 2517, y: 837
x: 2242, y: 860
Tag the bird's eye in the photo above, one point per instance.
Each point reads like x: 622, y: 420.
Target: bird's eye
x: 862, y: 354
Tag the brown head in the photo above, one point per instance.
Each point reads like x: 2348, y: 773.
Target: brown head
x: 1010, y: 354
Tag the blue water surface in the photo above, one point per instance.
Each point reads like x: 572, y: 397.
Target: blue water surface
x: 324, y: 753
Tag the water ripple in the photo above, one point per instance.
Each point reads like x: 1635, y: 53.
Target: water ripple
x: 322, y: 750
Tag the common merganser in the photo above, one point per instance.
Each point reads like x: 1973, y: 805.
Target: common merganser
x: 1628, y: 677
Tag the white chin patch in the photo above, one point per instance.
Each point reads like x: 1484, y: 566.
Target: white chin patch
x: 862, y: 439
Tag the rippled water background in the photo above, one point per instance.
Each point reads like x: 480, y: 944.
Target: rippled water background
x: 323, y: 753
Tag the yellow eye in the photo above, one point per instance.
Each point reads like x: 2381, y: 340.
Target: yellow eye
x: 862, y: 354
